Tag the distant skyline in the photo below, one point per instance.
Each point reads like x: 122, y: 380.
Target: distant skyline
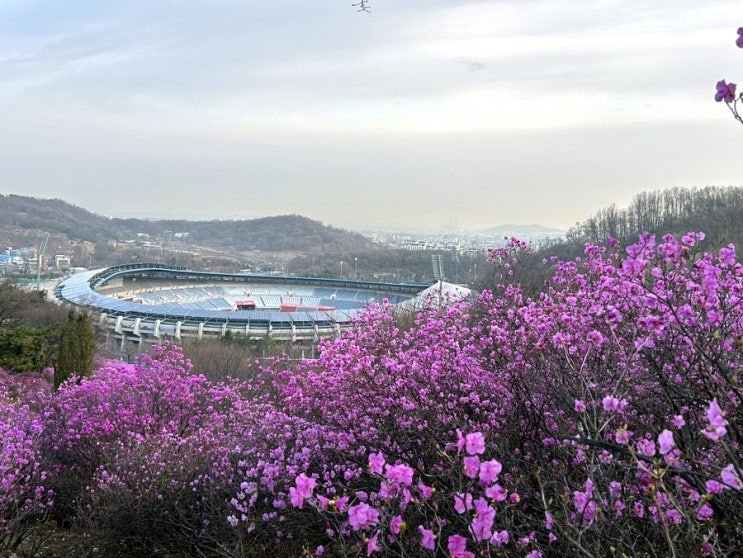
x: 436, y: 113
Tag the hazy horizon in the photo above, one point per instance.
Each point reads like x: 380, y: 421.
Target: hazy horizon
x: 451, y: 113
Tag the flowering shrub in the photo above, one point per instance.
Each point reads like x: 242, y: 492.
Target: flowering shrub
x: 599, y: 417
x: 727, y: 91
x: 25, y: 497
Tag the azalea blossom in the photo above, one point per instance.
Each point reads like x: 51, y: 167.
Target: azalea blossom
x: 665, y: 442
x: 462, y: 502
x: 401, y: 474
x: 474, y: 443
x: 471, y: 466
x: 396, y: 524
x: 428, y: 539
x: 730, y: 477
x: 376, y: 462
x: 362, y: 516
x: 725, y: 92
x: 489, y: 471
x: 717, y: 423
x: 371, y: 545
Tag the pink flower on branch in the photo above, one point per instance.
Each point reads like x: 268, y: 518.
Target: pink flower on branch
x: 665, y: 441
x: 372, y: 546
x: 457, y: 547
x: 396, y: 524
x: 729, y: 476
x: 376, y: 462
x: 462, y: 502
x: 725, y: 92
x: 362, y: 516
x: 717, y: 423
x: 471, y: 466
x: 401, y: 474
x: 474, y: 443
x: 305, y: 485
x: 489, y: 471
x: 428, y: 539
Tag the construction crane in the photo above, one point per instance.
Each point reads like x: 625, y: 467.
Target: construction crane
x: 42, y: 247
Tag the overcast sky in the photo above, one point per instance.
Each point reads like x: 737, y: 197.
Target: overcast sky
x: 421, y: 113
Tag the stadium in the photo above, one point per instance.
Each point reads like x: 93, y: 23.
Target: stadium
x: 151, y: 302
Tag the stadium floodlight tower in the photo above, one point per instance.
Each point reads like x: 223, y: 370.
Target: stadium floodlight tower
x: 42, y: 247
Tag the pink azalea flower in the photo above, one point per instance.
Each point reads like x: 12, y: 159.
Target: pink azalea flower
x: 460, y: 441
x: 426, y: 491
x: 462, y: 502
x: 428, y: 539
x: 730, y: 477
x: 457, y: 546
x: 362, y: 516
x: 674, y: 516
x: 611, y: 403
x: 489, y: 471
x: 499, y: 539
x: 341, y: 503
x: 725, y: 92
x: 406, y: 499
x: 717, y: 422
x: 395, y: 524
x: 665, y: 441
x: 305, y: 485
x: 474, y: 443
x: 296, y: 498
x: 705, y: 512
x: 496, y: 492
x: 623, y: 436
x: 471, y: 466
x: 401, y: 474
x: 376, y: 462
x: 645, y: 447
x: 372, y: 546
x: 482, y: 524
x: 457, y: 543
x: 714, y: 487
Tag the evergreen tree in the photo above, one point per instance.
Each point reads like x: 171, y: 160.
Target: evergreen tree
x: 76, y: 349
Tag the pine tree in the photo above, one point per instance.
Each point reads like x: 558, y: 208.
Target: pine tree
x: 76, y: 349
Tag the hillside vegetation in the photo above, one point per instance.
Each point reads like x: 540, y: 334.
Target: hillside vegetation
x: 714, y: 210
x: 285, y: 233
x: 603, y: 418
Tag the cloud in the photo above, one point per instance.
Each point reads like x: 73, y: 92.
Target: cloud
x: 318, y: 102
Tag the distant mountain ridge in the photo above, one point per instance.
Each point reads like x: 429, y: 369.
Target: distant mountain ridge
x: 282, y: 233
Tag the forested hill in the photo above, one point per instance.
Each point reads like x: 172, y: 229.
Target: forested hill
x: 19, y: 214
x: 717, y: 211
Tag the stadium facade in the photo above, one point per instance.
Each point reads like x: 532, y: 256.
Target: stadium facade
x: 151, y: 302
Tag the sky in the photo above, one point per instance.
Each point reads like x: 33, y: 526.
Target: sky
x: 422, y: 113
